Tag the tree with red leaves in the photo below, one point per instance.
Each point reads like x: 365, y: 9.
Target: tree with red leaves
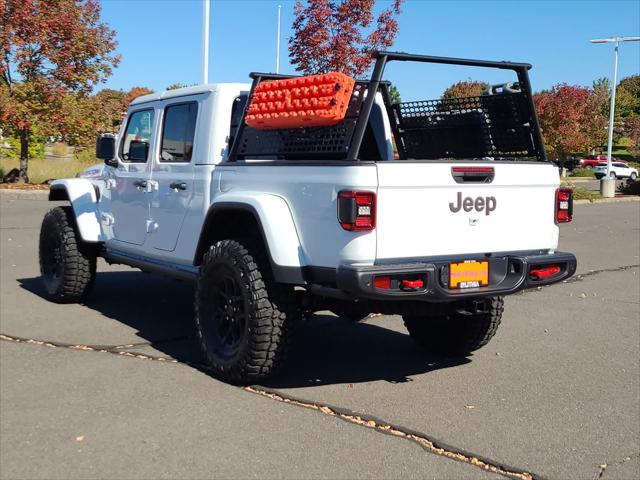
x: 338, y: 35
x: 49, y: 49
x: 569, y: 119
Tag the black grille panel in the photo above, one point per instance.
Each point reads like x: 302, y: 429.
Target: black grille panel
x: 306, y: 142
x: 495, y: 126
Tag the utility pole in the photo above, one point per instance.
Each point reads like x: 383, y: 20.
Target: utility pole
x: 205, y: 41
x: 608, y: 184
x: 278, y: 42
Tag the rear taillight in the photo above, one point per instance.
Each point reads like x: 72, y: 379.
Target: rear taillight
x: 564, y: 205
x: 357, y: 210
x: 542, y: 272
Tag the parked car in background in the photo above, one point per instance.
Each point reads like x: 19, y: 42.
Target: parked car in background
x: 618, y: 170
x: 592, y: 161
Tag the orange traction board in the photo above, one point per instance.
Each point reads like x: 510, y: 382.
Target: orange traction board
x: 311, y: 101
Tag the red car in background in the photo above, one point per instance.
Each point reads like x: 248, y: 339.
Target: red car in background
x: 592, y: 161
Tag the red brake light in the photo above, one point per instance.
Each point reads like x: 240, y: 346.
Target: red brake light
x: 382, y: 282
x: 544, y: 271
x: 357, y: 210
x: 564, y: 205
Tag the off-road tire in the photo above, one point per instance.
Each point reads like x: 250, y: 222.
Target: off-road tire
x: 67, y: 264
x: 456, y: 333
x: 262, y: 333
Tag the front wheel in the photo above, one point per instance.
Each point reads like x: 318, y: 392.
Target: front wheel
x: 458, y: 332
x: 245, y: 322
x: 67, y: 265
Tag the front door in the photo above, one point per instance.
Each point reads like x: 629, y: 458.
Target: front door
x: 173, y: 174
x: 130, y: 183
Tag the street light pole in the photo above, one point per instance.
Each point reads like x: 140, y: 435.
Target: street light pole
x: 278, y: 42
x: 608, y: 184
x: 205, y: 41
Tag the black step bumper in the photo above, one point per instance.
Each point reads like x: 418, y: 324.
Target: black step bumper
x: 508, y: 274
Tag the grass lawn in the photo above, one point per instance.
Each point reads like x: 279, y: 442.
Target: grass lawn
x: 41, y: 169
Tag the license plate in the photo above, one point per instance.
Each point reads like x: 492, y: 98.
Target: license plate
x: 470, y: 274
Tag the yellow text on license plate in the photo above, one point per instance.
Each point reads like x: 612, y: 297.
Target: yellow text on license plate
x: 468, y: 274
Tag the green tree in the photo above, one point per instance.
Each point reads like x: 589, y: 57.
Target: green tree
x: 465, y: 88
x: 175, y: 86
x: 394, y: 93
x: 50, y: 49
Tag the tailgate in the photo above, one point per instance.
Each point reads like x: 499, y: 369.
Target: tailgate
x: 422, y: 211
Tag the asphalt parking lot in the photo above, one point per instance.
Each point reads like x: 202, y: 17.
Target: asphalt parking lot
x: 109, y: 389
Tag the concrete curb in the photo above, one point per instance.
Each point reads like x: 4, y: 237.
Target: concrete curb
x: 608, y: 200
x: 15, y: 194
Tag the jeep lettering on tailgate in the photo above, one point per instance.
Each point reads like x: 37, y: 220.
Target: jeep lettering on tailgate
x: 488, y: 204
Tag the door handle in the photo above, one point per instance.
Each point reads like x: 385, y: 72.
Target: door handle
x: 178, y: 185
x: 140, y: 183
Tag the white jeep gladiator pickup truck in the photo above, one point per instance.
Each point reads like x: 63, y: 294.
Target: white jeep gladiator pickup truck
x: 433, y: 210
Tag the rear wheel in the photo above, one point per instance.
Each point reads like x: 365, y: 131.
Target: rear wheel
x: 67, y: 265
x: 457, y: 333
x: 612, y: 175
x: 245, y: 322
x: 633, y: 176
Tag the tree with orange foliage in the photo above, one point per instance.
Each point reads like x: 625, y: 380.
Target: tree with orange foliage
x: 338, y: 36
x: 569, y: 119
x: 49, y: 49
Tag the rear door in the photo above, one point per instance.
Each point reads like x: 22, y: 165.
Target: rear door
x: 427, y: 209
x: 173, y: 172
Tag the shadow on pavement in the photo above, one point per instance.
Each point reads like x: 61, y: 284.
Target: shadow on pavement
x: 327, y: 351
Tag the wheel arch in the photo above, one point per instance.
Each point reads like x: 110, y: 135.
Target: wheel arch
x: 83, y: 197
x: 236, y: 218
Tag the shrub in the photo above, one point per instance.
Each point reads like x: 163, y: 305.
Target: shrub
x: 582, y: 172
x: 580, y: 193
x: 36, y: 149
x: 630, y: 188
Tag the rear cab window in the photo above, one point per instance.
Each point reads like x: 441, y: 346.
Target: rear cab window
x: 178, y: 131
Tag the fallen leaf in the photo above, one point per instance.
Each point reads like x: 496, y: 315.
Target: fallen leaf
x: 79, y: 438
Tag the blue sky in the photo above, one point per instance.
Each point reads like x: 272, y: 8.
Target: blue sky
x: 160, y: 41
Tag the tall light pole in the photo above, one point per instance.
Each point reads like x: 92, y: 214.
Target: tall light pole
x: 205, y: 41
x: 607, y: 184
x: 278, y: 42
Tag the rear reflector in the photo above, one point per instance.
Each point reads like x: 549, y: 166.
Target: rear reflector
x: 357, y: 210
x: 564, y: 205
x: 542, y: 272
x: 413, y: 284
x: 382, y: 282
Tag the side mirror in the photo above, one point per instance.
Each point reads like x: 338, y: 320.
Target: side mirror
x: 138, y: 151
x: 106, y: 148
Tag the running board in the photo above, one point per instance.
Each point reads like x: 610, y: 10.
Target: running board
x: 183, y: 272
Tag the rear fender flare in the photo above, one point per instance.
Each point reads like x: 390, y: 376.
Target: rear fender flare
x: 83, y: 197
x: 277, y: 228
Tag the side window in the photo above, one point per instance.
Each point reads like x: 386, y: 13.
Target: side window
x: 137, y: 137
x: 178, y: 129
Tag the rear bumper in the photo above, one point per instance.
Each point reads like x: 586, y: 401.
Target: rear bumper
x: 508, y: 274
